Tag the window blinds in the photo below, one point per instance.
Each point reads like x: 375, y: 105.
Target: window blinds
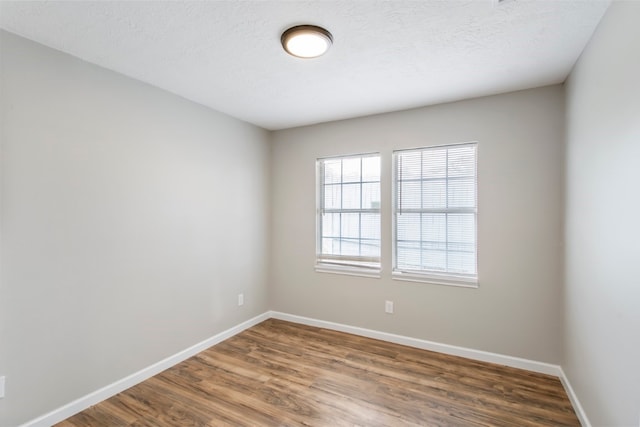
x: 435, y: 211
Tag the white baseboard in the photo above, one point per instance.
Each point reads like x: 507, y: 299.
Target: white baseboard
x: 582, y: 416
x: 483, y: 356
x: 108, y: 391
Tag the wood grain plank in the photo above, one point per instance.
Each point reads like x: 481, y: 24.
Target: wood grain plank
x: 279, y: 373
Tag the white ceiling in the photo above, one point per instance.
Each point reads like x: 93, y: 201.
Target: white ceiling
x: 387, y: 55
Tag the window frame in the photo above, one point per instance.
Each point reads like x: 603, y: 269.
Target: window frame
x: 433, y: 276
x: 345, y: 264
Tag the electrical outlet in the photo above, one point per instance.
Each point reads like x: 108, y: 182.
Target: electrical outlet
x: 388, y: 307
x: 240, y: 299
x: 1, y: 386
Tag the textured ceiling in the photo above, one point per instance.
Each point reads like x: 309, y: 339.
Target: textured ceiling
x: 387, y: 55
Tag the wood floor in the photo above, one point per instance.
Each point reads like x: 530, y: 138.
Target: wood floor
x: 284, y: 374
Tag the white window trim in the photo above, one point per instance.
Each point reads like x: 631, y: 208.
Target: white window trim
x: 431, y: 277
x: 436, y: 279
x: 335, y: 264
x: 348, y: 270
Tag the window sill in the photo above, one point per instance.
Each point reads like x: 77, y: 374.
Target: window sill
x: 348, y: 270
x: 435, y: 279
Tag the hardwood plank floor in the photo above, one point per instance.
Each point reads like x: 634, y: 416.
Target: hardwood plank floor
x: 284, y: 374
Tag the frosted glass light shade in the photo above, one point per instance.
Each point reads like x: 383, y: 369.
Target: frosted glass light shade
x: 306, y: 41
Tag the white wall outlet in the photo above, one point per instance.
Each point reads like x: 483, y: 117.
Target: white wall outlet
x: 240, y: 299
x: 1, y: 386
x: 388, y: 307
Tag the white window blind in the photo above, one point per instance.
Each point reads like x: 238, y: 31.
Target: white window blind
x: 435, y: 213
x: 348, y: 213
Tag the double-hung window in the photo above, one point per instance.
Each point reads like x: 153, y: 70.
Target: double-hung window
x: 435, y: 214
x: 348, y: 215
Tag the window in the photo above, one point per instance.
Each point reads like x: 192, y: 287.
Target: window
x: 348, y: 215
x: 435, y: 214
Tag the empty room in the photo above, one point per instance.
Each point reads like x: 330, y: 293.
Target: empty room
x: 322, y: 213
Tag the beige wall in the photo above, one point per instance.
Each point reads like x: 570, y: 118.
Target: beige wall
x: 517, y: 308
x: 602, y: 336
x: 131, y: 219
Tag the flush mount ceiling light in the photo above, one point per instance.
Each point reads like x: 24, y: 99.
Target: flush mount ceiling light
x: 306, y: 41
